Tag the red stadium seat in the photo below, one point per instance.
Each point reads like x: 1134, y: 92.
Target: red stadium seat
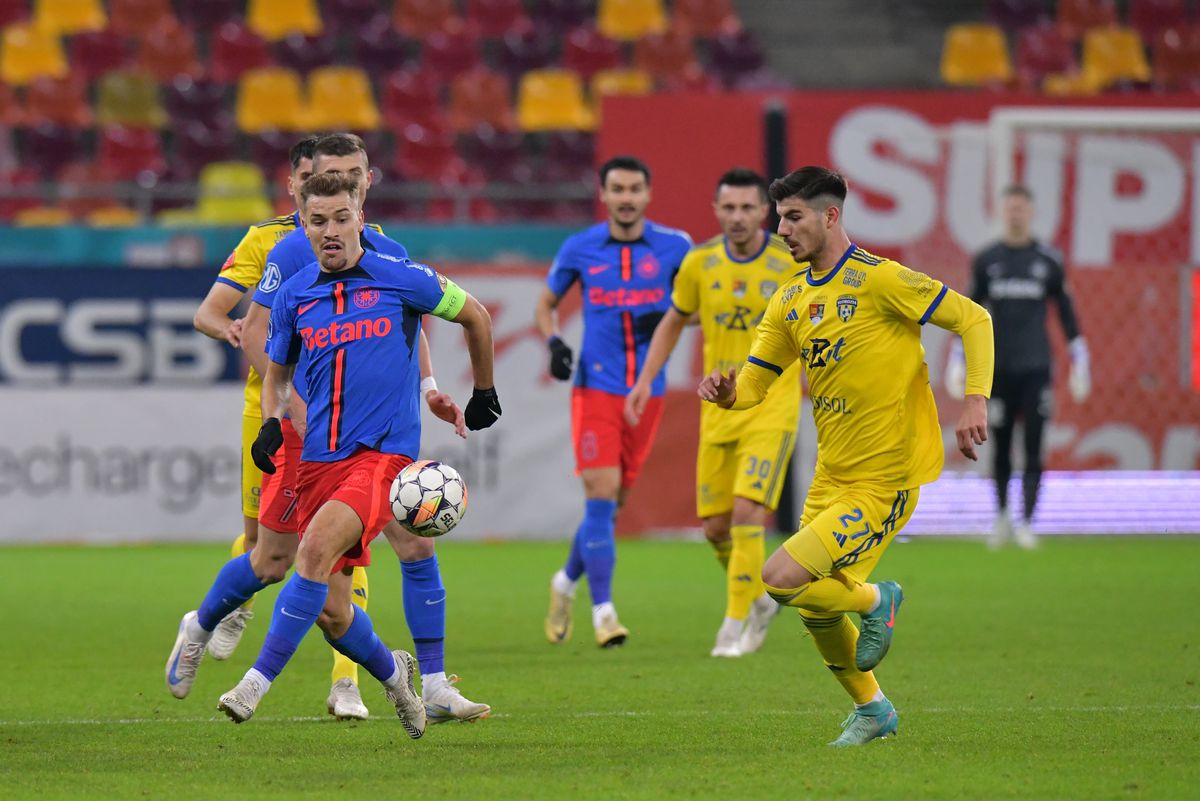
x: 668, y: 56
x: 495, y: 18
x: 198, y: 145
x: 136, y: 18
x: 236, y: 49
x: 206, y: 102
x: 587, y: 51
x: 352, y: 16
x: 410, y: 97
x: 1016, y: 15
x: 132, y: 152
x: 1041, y: 51
x: 1076, y: 16
x: 269, y: 150
x: 571, y: 150
x: 12, y: 11
x: 85, y: 186
x: 480, y: 97
x: 428, y: 154
x: 169, y: 49
x: 96, y: 53
x: 47, y: 148
x: 564, y: 15
x: 419, y: 18
x: 525, y: 49
x: 22, y: 190
x: 12, y: 115
x: 1152, y: 17
x: 706, y: 18
x: 306, y: 53
x: 60, y: 101
x: 209, y: 15
x: 448, y: 54
x: 736, y: 55
x: 380, y: 49
x: 493, y: 152
x: 1177, y: 59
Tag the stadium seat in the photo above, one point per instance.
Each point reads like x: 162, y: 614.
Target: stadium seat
x: 205, y: 101
x: 623, y: 81
x: 352, y: 16
x: 1177, y: 59
x: 61, y: 101
x: 480, y: 97
x: 232, y: 193
x: 48, y: 147
x: 169, y: 49
x: 42, y: 217
x: 136, y: 18
x: 209, y: 15
x: 13, y: 11
x: 668, y: 56
x: 93, y: 54
x: 131, y: 152
x: 1067, y: 84
x: 198, y: 144
x: 494, y: 18
x: 419, y: 18
x: 564, y: 15
x: 1151, y: 17
x: 66, y: 17
x: 492, y: 152
x: 447, y: 54
x: 428, y: 154
x: 306, y: 53
x: 27, y: 53
x: 234, y: 50
x: 527, y: 48
x: 1016, y: 15
x: 84, y: 186
x: 340, y: 98
x: 411, y: 96
x: 975, y: 54
x: 270, y: 97
x: 20, y: 191
x: 1043, y: 50
x: 380, y: 49
x: 571, y: 149
x: 1077, y: 16
x: 706, y: 18
x: 1113, y: 56
x: 552, y: 99
x: 275, y: 19
x: 12, y: 114
x: 113, y: 216
x: 269, y: 150
x: 736, y: 56
x: 629, y: 20
x: 587, y: 51
x: 129, y: 97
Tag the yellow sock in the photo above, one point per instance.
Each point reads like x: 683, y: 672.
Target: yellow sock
x: 836, y: 637
x: 237, y: 549
x: 723, y: 550
x: 744, y: 582
x: 830, y: 595
x: 343, y: 666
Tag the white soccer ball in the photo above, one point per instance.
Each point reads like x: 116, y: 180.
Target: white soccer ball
x: 429, y: 498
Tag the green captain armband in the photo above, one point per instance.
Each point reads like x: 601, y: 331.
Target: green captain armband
x: 454, y: 298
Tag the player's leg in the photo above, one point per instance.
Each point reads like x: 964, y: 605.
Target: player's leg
x: 345, y: 700
x: 715, y: 466
x: 425, y: 602
x: 1036, y: 407
x: 1002, y: 414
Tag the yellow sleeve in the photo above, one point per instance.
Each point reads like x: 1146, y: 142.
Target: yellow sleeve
x: 970, y: 321
x: 685, y: 295
x: 773, y: 351
x: 907, y: 293
x: 245, y: 265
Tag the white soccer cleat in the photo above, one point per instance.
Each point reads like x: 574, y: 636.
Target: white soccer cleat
x: 184, y: 660
x: 1002, y: 531
x: 762, y: 612
x: 1024, y: 537
x: 345, y: 701
x: 444, y: 702
x: 729, y: 638
x: 409, y: 707
x: 228, y: 633
x: 240, y: 702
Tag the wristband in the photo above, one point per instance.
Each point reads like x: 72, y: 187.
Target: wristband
x: 428, y: 384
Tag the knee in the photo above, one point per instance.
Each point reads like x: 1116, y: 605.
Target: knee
x: 748, y: 513
x: 270, y: 568
x: 314, y: 559
x: 775, y: 577
x: 716, y: 529
x: 335, y: 621
x: 411, y: 548
x: 603, y: 484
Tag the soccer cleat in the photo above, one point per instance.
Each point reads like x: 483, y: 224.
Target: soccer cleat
x: 345, y: 701
x: 228, y: 633
x: 609, y: 631
x: 875, y: 638
x: 875, y: 720
x: 1002, y: 531
x: 558, y: 619
x: 443, y: 703
x: 409, y: 707
x: 184, y: 660
x: 729, y: 638
x: 1024, y: 537
x: 762, y: 612
x: 240, y: 702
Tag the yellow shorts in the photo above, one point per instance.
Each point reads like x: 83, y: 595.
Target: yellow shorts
x: 251, y: 475
x: 853, y: 525
x: 751, y: 467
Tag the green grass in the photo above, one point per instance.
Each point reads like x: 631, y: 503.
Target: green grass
x: 1069, y: 673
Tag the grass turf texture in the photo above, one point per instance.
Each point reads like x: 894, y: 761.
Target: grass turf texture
x: 1068, y: 673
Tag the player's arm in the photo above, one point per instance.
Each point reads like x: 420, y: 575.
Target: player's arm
x: 662, y: 345
x: 441, y: 404
x: 545, y: 314
x: 212, y: 318
x: 254, y: 345
x: 456, y: 305
x: 955, y: 375
x: 773, y: 352
x: 1080, y: 380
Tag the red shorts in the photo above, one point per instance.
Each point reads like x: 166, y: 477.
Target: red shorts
x: 362, y: 481
x: 604, y: 439
x: 277, y: 506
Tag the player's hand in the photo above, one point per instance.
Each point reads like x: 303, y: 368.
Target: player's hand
x: 719, y: 388
x: 270, y: 438
x: 233, y: 332
x: 298, y: 414
x: 560, y: 359
x: 483, y: 409
x: 444, y: 408
x: 955, y: 378
x: 972, y: 426
x: 1080, y: 379
x: 635, y: 403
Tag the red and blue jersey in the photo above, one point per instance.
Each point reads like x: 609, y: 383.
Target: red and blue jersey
x: 353, y: 334
x: 626, y: 288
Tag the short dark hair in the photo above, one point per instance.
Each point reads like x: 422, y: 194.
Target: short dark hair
x: 744, y: 176
x: 301, y: 150
x: 328, y: 184
x: 631, y: 163
x: 808, y: 183
x: 1018, y: 190
x: 340, y: 144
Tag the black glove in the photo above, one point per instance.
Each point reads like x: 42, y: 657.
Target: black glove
x: 483, y: 409
x: 560, y: 359
x: 270, y: 437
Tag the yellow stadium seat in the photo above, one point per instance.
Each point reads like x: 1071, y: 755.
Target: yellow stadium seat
x: 28, y: 53
x: 549, y: 100
x: 69, y: 16
x: 275, y: 19
x: 113, y: 217
x: 340, y: 98
x: 630, y: 20
x: 619, y: 82
x: 232, y: 193
x: 975, y: 54
x: 270, y: 98
x: 1112, y: 55
x: 1066, y: 84
x: 42, y: 217
x: 129, y: 98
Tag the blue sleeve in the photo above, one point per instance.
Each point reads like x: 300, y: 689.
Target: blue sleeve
x: 283, y: 344
x: 421, y: 287
x: 564, y: 271
x: 281, y: 265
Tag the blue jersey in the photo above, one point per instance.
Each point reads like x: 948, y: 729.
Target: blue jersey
x: 357, y: 330
x: 626, y: 288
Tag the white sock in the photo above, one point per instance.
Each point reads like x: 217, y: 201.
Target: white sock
x: 432, y: 681
x: 878, y: 598
x: 600, y: 611
x: 394, y: 679
x: 195, y: 632
x: 562, y: 583
x: 732, y: 625
x: 261, y: 683
x: 878, y: 696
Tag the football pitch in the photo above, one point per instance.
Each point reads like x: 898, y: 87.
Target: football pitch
x: 1066, y: 673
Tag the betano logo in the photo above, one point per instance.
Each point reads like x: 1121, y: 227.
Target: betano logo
x: 341, y: 333
x: 624, y: 297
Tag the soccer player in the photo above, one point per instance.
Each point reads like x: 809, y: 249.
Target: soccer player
x: 854, y: 321
x: 1014, y: 278
x: 624, y: 267
x: 728, y: 281
x: 356, y: 317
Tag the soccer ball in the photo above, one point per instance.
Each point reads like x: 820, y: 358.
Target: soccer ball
x: 429, y: 498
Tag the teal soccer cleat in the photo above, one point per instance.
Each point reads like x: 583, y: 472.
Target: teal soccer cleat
x: 875, y: 720
x: 875, y: 638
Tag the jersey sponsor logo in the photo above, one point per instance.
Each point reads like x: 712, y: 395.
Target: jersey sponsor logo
x: 596, y: 269
x: 739, y: 289
x: 598, y: 296
x: 648, y: 266
x: 1016, y: 289
x: 828, y: 403
x: 343, y: 333
x: 366, y: 297
x: 738, y: 319
x: 820, y: 351
x: 229, y: 261
x: 853, y: 277
x: 270, y: 280
x: 768, y: 288
x: 816, y: 312
x: 846, y: 306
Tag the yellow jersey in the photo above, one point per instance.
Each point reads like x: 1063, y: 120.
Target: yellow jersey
x: 857, y: 332
x: 731, y: 297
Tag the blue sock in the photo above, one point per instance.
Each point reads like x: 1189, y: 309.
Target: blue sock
x: 362, y: 644
x: 574, y: 566
x: 425, y: 612
x: 597, y: 547
x: 296, y: 610
x: 234, y: 585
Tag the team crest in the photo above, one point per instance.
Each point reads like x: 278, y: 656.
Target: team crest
x: 767, y: 289
x: 816, y: 312
x: 847, y: 305
x: 648, y: 267
x: 739, y: 289
x: 366, y: 297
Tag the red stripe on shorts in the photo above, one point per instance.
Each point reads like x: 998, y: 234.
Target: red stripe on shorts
x: 337, y: 387
x: 630, y: 350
